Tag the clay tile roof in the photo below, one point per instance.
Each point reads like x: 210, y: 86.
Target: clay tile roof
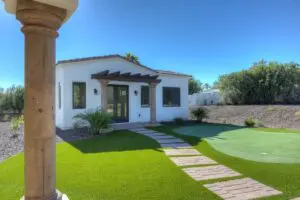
x: 119, y: 56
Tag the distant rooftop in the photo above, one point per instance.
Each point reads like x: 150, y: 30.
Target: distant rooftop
x: 122, y: 57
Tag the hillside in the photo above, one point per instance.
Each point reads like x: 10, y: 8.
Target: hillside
x: 273, y: 116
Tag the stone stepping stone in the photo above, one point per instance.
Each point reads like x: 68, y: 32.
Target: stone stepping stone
x: 241, y: 189
x: 210, y: 172
x: 167, y: 141
x: 160, y: 137
x: 146, y: 132
x: 176, y: 145
x: 181, y: 152
x: 296, y: 198
x: 192, y: 160
x: 138, y: 129
x: 154, y: 134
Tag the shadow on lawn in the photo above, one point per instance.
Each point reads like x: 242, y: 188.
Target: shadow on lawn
x: 122, y: 140
x: 194, y: 133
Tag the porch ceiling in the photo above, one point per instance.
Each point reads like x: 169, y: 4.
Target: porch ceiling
x: 128, y: 77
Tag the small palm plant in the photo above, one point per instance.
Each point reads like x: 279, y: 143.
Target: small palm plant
x: 132, y: 58
x: 200, y: 114
x: 98, y: 120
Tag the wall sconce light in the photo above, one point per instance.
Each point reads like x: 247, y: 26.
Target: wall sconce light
x: 135, y: 92
x: 95, y: 91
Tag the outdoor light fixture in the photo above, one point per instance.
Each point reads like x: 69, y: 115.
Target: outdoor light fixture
x: 95, y: 91
x: 135, y: 92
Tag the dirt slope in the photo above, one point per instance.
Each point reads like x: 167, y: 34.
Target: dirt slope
x: 274, y: 116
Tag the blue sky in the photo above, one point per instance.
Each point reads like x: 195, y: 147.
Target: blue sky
x: 202, y: 38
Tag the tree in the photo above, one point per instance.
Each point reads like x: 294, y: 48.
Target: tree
x: 132, y: 58
x: 206, y: 86
x: 216, y: 85
x: 12, y: 99
x: 263, y: 83
x: 195, y: 86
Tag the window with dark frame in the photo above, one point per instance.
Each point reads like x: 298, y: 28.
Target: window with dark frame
x: 79, y: 95
x: 171, y: 97
x: 145, y: 96
x: 59, y: 96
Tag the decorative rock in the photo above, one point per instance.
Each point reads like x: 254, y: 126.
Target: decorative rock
x: 181, y: 152
x: 241, y: 189
x: 211, y: 172
x: 192, y: 160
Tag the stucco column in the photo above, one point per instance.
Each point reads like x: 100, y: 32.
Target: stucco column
x: 104, y: 84
x: 40, y: 25
x: 153, y: 102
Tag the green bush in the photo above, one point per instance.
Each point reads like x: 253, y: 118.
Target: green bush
x: 179, y: 121
x: 200, y: 113
x: 15, y: 124
x: 249, y: 122
x: 97, y: 120
x: 6, y: 117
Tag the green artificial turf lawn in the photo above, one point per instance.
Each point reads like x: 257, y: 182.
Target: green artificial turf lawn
x: 121, y: 166
x: 283, y: 177
x: 256, y: 144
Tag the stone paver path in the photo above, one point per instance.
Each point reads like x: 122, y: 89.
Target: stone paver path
x: 210, y: 172
x: 166, y: 141
x: 183, y: 154
x: 192, y: 160
x: 176, y: 145
x: 241, y: 189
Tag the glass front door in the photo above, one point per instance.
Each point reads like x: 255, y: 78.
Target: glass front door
x: 118, y: 102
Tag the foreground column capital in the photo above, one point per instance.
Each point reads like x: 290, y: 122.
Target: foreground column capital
x: 40, y: 18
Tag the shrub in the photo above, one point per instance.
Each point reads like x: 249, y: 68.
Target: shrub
x: 97, y: 120
x: 259, y: 124
x: 178, y: 121
x: 6, y: 117
x: 15, y: 124
x: 249, y: 122
x: 200, y: 113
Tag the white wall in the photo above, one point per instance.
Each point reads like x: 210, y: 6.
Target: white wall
x: 169, y: 113
x: 81, y: 72
x: 210, y: 97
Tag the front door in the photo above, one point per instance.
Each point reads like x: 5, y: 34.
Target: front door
x: 118, y: 102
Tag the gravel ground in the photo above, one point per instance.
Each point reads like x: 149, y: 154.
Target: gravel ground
x: 11, y: 144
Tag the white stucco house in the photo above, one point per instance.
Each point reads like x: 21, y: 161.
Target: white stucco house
x: 130, y: 92
x: 207, y: 97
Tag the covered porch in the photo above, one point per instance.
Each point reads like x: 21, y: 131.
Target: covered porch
x: 115, y: 93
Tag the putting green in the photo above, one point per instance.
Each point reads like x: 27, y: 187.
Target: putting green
x: 262, y: 145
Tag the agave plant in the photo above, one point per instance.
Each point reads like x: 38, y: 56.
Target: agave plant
x: 200, y: 114
x: 97, y: 120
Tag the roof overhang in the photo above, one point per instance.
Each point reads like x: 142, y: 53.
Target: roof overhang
x: 69, y: 5
x: 127, y: 77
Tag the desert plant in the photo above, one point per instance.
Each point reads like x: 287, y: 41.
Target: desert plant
x: 6, y: 117
x: 97, y: 120
x: 200, y: 113
x: 15, y: 124
x: 259, y: 124
x: 250, y: 121
x: 178, y: 121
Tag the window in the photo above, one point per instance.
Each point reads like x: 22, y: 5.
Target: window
x: 145, y: 96
x: 79, y: 95
x: 59, y: 96
x: 171, y: 97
